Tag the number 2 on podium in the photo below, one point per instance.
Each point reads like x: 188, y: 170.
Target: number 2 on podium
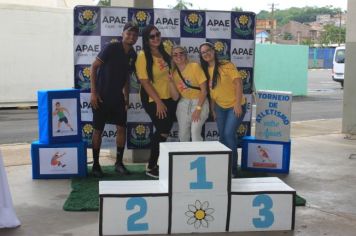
x: 200, y: 165
x: 131, y: 220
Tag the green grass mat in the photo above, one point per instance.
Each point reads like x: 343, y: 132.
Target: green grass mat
x: 85, y: 191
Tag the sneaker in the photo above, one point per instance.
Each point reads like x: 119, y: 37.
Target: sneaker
x: 97, y: 172
x: 121, y: 169
x: 154, y: 172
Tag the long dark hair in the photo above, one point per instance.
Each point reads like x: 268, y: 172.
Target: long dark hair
x: 148, y: 55
x: 205, y: 65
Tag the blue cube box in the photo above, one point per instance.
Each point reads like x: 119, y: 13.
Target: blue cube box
x: 58, y: 161
x: 266, y: 156
x: 59, y: 116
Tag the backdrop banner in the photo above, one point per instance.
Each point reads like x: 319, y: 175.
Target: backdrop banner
x: 232, y: 33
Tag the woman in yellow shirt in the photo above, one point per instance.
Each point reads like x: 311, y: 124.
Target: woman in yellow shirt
x: 152, y: 67
x: 227, y: 100
x: 193, y: 107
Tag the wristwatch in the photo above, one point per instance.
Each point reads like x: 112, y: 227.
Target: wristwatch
x: 198, y: 108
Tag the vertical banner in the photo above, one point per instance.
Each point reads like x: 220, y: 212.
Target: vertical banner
x: 273, y: 115
x: 232, y: 33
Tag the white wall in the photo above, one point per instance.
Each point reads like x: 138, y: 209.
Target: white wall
x: 36, y: 51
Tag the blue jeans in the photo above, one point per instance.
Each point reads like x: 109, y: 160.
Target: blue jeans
x: 228, y: 123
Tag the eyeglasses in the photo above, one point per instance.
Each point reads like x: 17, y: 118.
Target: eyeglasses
x: 176, y: 54
x: 205, y: 52
x: 156, y: 35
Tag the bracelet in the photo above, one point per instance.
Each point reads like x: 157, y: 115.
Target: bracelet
x: 198, y: 108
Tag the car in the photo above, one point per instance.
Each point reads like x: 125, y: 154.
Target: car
x: 339, y: 65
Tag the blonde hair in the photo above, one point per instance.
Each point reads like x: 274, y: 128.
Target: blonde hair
x: 174, y: 66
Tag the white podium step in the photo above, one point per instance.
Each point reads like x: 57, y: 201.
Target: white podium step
x: 261, y: 204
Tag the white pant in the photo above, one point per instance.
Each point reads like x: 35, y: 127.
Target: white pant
x: 186, y: 127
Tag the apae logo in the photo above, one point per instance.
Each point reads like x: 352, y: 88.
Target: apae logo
x: 222, y: 49
x: 87, y: 133
x: 243, y: 25
x: 245, y: 75
x: 142, y: 19
x: 140, y: 135
x: 84, y: 48
x: 167, y: 21
x: 87, y: 20
x: 193, y: 23
x: 168, y: 45
x: 242, y: 130
x: 115, y: 19
x: 83, y: 78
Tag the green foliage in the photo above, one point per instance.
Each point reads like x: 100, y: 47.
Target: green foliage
x: 182, y: 5
x: 237, y: 9
x: 287, y: 36
x: 307, y: 42
x: 333, y: 34
x: 105, y: 3
x: 302, y: 15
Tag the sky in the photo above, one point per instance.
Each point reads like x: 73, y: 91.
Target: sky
x: 252, y: 5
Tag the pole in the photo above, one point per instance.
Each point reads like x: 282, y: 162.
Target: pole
x: 272, y: 21
x: 339, y: 28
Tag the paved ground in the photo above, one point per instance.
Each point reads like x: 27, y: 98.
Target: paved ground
x: 321, y: 171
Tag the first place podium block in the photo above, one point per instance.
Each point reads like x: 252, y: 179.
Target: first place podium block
x: 198, y: 176
x: 59, y: 116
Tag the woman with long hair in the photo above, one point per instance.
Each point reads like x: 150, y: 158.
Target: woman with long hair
x: 227, y: 100
x: 153, y: 70
x: 190, y: 83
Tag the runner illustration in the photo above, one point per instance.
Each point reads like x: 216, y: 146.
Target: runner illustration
x: 59, y: 111
x: 55, y: 160
x: 263, y: 154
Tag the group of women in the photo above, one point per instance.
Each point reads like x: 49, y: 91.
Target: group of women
x: 170, y: 78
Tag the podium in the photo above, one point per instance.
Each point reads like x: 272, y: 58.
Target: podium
x: 195, y: 194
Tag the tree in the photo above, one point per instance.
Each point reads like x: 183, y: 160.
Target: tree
x: 332, y: 34
x: 104, y: 3
x: 302, y: 15
x: 237, y: 9
x: 182, y: 5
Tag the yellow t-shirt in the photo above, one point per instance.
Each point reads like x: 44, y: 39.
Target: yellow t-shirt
x: 224, y: 93
x: 194, y: 76
x: 160, y: 73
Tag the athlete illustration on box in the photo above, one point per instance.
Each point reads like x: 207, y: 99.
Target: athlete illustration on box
x: 56, y: 162
x: 263, y: 154
x: 60, y: 112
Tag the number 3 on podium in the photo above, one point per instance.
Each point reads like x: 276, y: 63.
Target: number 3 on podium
x: 265, y: 212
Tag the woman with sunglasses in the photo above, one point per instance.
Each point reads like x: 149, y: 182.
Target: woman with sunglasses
x: 152, y: 67
x: 227, y: 100
x: 193, y: 107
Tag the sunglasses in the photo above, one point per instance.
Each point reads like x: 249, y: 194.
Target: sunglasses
x: 156, y: 35
x: 176, y: 54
